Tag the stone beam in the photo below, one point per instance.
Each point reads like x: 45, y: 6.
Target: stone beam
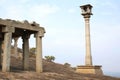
x: 22, y: 25
x: 8, y: 29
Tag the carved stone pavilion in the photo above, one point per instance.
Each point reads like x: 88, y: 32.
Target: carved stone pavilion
x: 88, y: 68
x: 11, y: 29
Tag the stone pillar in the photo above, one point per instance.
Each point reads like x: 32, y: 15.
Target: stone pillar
x: 7, y: 47
x: 88, y: 68
x: 15, y: 46
x: 39, y: 67
x: 86, y: 12
x: 0, y: 51
x: 26, y: 51
x: 88, y: 59
x: 7, y: 52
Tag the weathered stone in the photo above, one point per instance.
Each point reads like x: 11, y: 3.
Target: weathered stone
x: 0, y: 51
x: 40, y: 33
x: 26, y: 51
x: 88, y: 68
x: 15, y: 46
x: 8, y: 29
x: 11, y: 29
x: 38, y: 53
x: 86, y: 12
x: 26, y: 22
x: 7, y: 52
x: 21, y: 25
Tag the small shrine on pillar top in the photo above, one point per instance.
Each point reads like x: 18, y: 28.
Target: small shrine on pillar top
x: 86, y: 10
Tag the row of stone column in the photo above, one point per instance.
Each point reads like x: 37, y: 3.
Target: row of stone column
x: 7, y: 49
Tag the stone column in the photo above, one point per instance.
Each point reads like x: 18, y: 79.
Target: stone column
x: 0, y: 51
x: 6, y: 52
x: 88, y: 59
x: 15, y: 46
x: 7, y: 47
x: 39, y: 66
x: 26, y: 51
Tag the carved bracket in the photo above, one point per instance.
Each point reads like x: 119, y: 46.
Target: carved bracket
x: 40, y: 33
x: 8, y: 29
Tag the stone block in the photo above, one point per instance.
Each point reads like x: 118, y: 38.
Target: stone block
x: 8, y: 29
x: 89, y: 70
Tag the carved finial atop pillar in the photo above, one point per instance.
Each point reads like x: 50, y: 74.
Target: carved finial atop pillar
x: 86, y: 10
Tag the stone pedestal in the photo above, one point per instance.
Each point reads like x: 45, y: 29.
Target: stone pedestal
x: 90, y: 69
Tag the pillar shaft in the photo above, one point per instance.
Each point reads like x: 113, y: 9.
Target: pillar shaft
x: 38, y: 53
x: 15, y: 46
x: 0, y: 51
x: 25, y: 53
x: 88, y: 59
x: 7, y: 51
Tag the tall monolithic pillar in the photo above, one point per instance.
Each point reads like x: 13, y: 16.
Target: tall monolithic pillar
x: 25, y: 38
x: 88, y: 68
x: 39, y: 66
x: 86, y: 12
x: 7, y: 47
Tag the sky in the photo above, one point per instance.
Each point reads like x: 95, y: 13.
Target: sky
x: 65, y: 29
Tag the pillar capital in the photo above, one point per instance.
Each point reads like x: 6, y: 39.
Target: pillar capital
x: 26, y: 36
x: 86, y: 10
x: 8, y: 29
x: 16, y: 38
x: 40, y: 33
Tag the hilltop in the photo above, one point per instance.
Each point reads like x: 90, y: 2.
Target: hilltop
x: 52, y: 71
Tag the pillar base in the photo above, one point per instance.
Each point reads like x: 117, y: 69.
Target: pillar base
x: 89, y: 69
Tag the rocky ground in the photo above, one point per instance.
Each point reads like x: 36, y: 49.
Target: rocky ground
x: 52, y: 71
